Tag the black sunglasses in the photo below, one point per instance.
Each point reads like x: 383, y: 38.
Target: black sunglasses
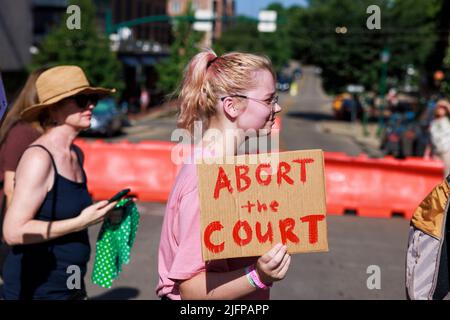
x: 84, y: 100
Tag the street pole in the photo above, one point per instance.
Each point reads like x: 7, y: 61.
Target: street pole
x: 108, y: 22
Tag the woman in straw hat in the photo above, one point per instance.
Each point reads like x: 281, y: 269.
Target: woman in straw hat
x: 46, y: 223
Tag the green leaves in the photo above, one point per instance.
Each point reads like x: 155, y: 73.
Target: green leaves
x: 86, y: 47
x: 446, y: 82
x: 308, y: 34
x: 243, y: 36
x: 184, y: 47
x: 407, y: 29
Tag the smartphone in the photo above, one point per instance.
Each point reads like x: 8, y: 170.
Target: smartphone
x: 119, y: 195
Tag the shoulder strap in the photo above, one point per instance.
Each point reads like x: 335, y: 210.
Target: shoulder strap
x: 49, y: 153
x: 80, y: 158
x: 79, y: 154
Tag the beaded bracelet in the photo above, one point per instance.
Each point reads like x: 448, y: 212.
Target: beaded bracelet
x: 253, y: 278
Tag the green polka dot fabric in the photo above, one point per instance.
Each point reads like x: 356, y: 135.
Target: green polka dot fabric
x: 114, y: 245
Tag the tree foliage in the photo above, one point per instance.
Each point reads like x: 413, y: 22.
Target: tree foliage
x: 85, y: 47
x: 183, y: 48
x: 409, y: 30
x: 243, y: 35
x: 446, y: 82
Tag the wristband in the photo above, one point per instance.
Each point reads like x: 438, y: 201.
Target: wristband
x: 254, y: 276
x: 249, y: 278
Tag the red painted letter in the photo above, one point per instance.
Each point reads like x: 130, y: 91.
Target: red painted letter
x: 248, y: 230
x: 213, y: 226
x: 242, y: 176
x: 222, y: 182
x: 258, y: 174
x: 286, y: 227
x: 267, y: 236
x: 261, y: 206
x: 283, y: 174
x: 274, y: 205
x: 313, y: 231
x: 303, y: 163
x: 249, y: 206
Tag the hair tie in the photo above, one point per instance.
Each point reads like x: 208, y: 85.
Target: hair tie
x: 211, y: 62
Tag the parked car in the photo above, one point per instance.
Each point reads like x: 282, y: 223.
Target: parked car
x: 283, y: 82
x: 297, y: 73
x: 107, y: 119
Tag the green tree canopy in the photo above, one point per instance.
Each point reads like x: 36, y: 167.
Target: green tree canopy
x: 85, y: 47
x: 446, y: 82
x: 243, y: 35
x: 184, y: 47
x: 408, y: 31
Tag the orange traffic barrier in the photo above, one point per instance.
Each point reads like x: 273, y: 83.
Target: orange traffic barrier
x: 146, y: 168
x: 383, y: 187
x: 360, y: 185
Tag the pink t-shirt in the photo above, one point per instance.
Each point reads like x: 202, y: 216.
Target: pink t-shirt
x: 180, y: 253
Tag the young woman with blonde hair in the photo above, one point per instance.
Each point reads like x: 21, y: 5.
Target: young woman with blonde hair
x: 230, y: 94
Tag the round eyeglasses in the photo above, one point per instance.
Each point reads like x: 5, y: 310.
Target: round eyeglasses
x: 271, y: 101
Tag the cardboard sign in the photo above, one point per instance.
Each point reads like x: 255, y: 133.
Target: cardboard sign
x: 247, y: 208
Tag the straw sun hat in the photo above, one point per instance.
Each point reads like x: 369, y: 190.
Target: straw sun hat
x: 58, y: 83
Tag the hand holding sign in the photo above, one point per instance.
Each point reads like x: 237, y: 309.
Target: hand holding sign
x: 273, y: 265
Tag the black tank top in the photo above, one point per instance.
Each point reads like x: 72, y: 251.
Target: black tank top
x: 41, y: 270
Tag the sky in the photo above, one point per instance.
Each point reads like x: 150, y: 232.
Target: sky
x: 252, y: 7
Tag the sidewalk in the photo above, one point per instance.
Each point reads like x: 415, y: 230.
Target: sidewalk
x: 370, y: 143
x: 155, y: 112
x: 155, y: 124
